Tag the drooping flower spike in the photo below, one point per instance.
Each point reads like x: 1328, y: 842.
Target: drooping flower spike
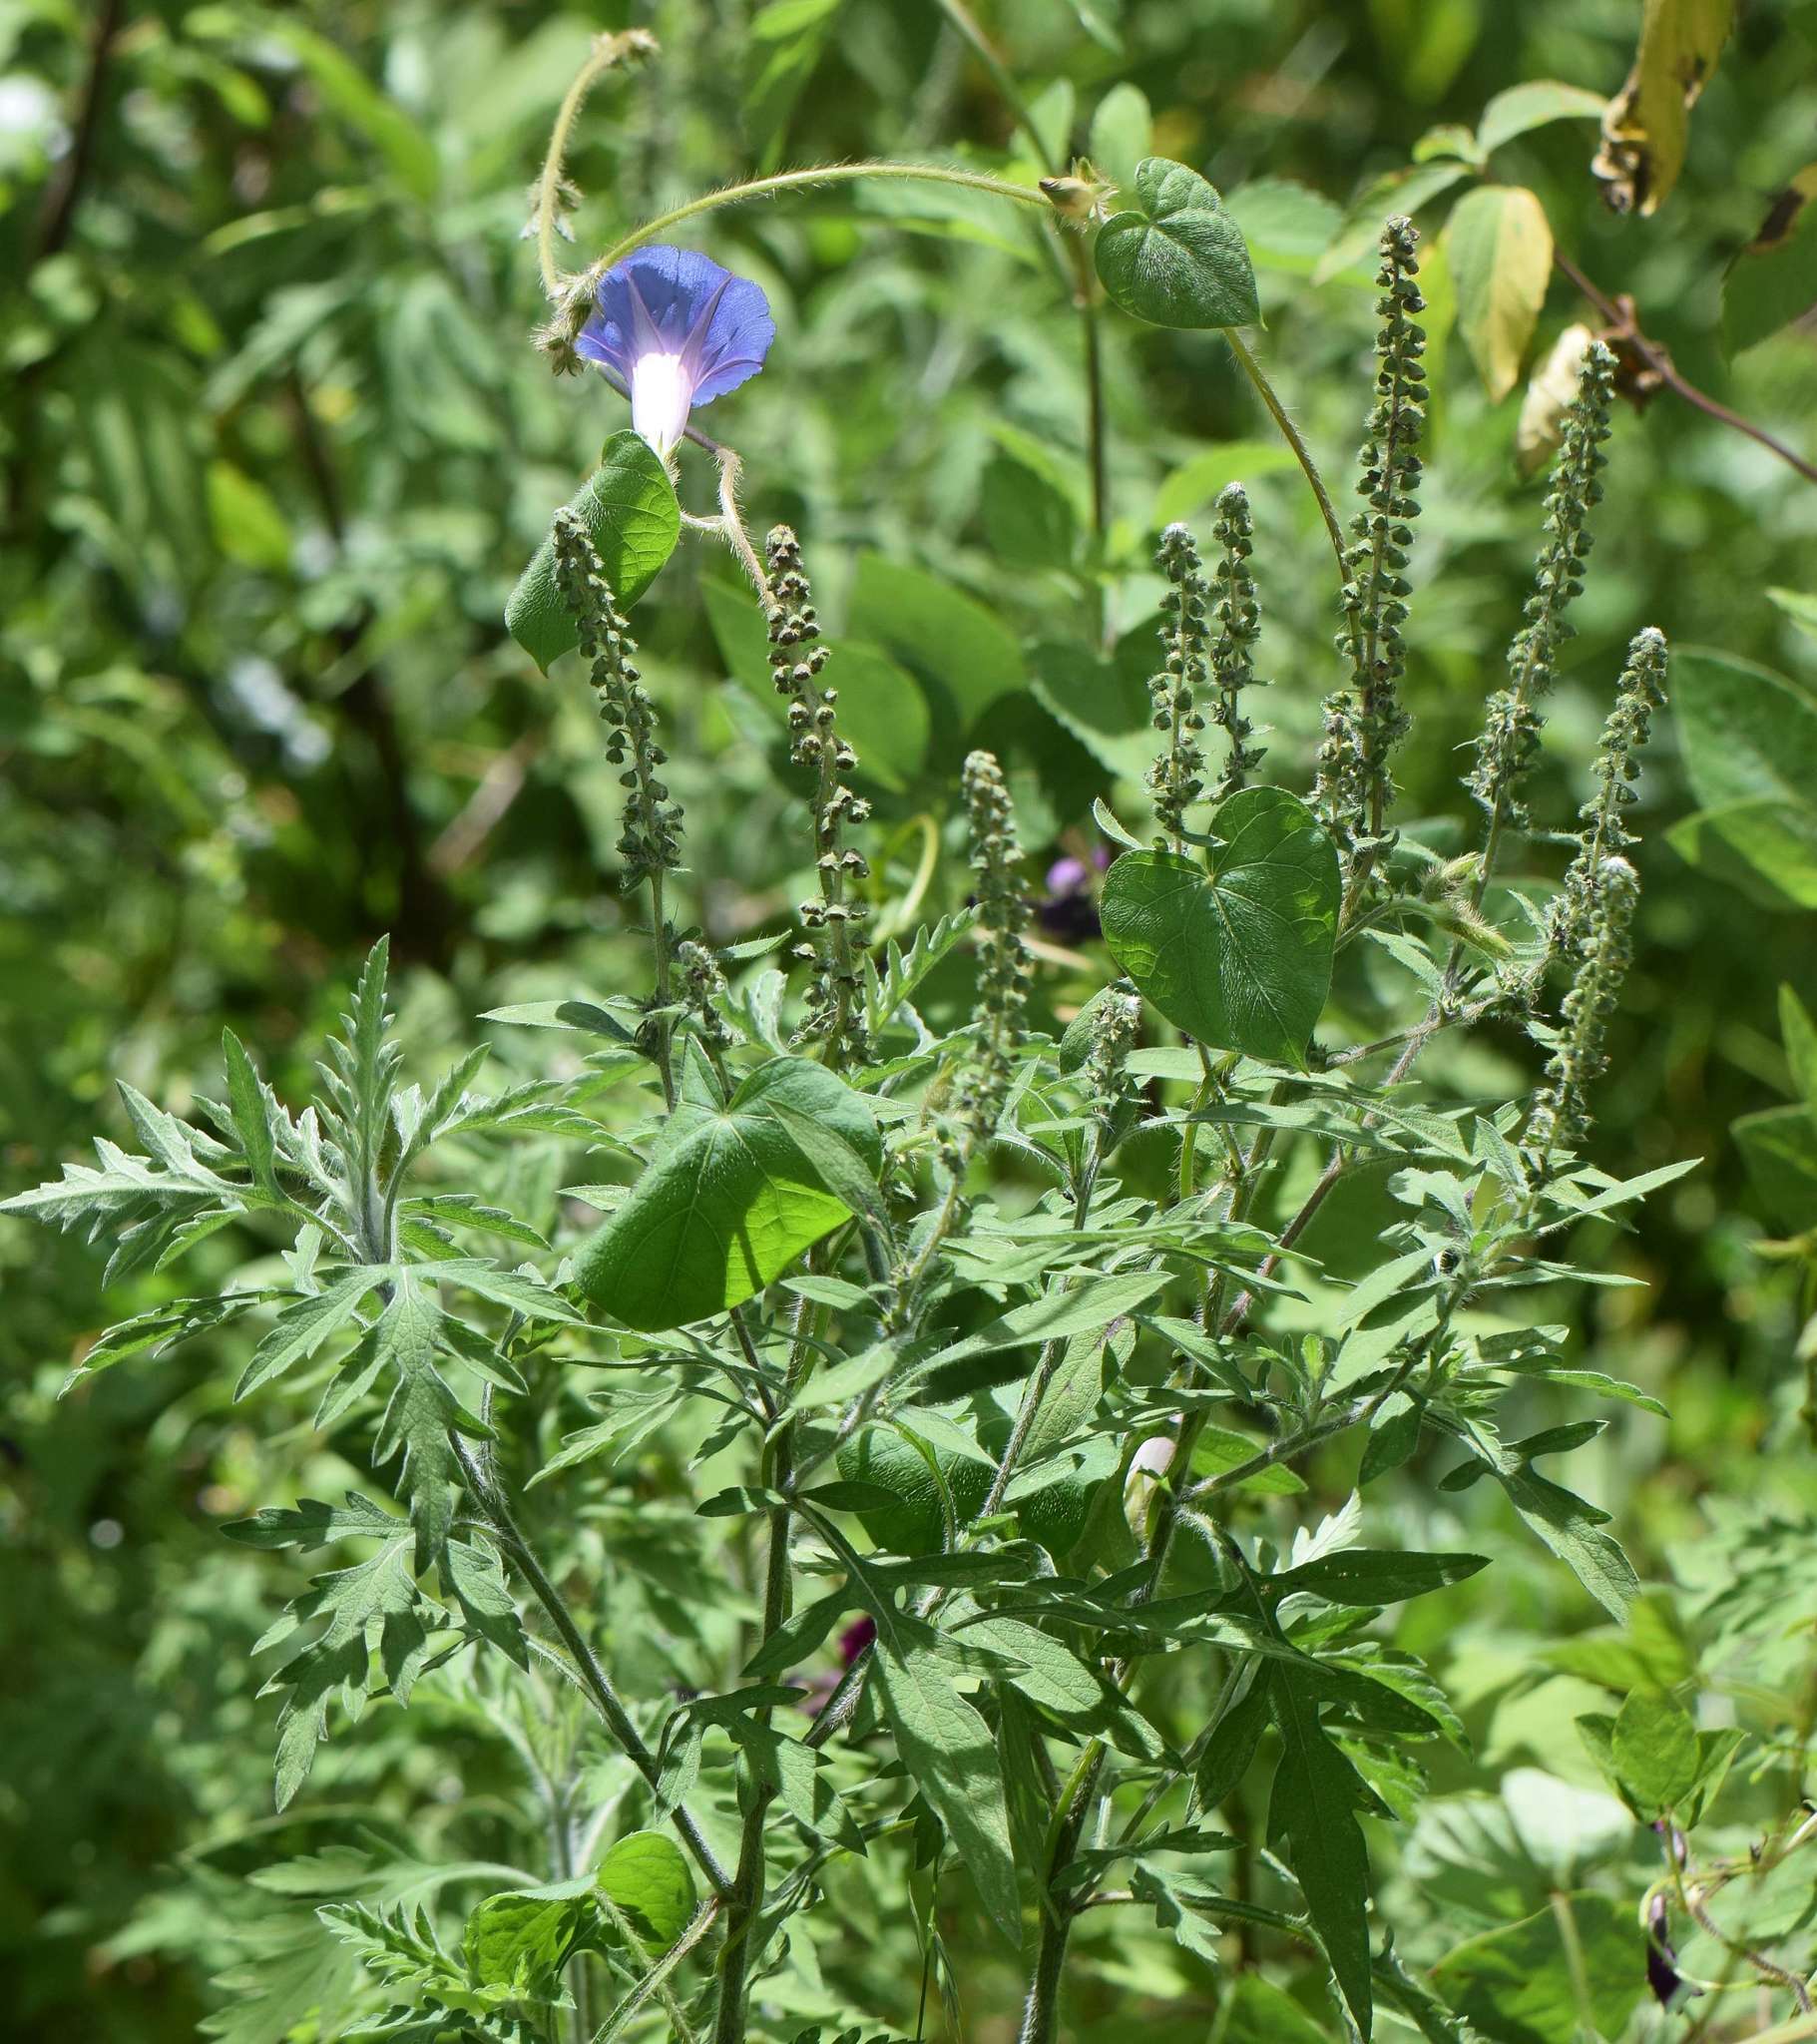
x: 674, y: 330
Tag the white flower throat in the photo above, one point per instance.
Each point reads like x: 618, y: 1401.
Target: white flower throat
x: 661, y: 390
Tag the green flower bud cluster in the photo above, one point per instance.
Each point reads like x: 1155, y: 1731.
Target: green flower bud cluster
x: 1004, y: 963
x: 1560, y: 1112
x: 1510, y: 740
x: 1238, y: 628
x: 837, y: 919
x: 650, y: 839
x: 1367, y: 716
x: 1114, y: 1022
x: 1177, y: 780
x: 703, y: 991
x: 1590, y: 919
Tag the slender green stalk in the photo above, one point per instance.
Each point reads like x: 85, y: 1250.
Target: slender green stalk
x: 498, y: 1516
x: 608, y: 52
x: 1085, y: 295
x: 1291, y: 434
x: 807, y: 180
x: 652, y: 1982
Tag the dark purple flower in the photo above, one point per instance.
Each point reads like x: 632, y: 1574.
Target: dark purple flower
x: 675, y: 329
x: 1067, y: 909
x: 855, y: 1638
x: 1661, y: 1961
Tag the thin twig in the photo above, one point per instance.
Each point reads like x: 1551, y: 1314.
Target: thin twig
x: 1626, y: 329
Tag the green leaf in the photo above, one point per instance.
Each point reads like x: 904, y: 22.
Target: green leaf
x: 941, y: 635
x: 1121, y: 127
x: 1798, y: 1032
x: 648, y: 1878
x: 1087, y: 1307
x: 1572, y: 1528
x: 1256, y: 2011
x: 522, y: 1290
x: 1763, y: 846
x: 882, y: 710
x: 885, y: 992
x: 475, y: 1577
x: 1393, y: 191
x: 421, y: 1412
x: 1180, y: 258
x: 1518, y: 1985
x: 1799, y: 606
x: 1238, y: 956
x: 254, y: 1113
x: 313, y: 1523
x: 1317, y: 1793
x: 302, y: 1328
x: 1027, y: 522
x: 1368, y: 1576
x: 1188, y: 489
x: 1394, y: 1435
x: 630, y: 509
x: 1287, y: 227
x: 1743, y: 731
x: 524, y: 1936
x: 1655, y: 1750
x: 375, y: 1601
x: 1103, y: 700
x: 727, y: 1201
x: 952, y: 1759
x: 1500, y: 244
x: 1540, y: 101
x: 1779, y: 1147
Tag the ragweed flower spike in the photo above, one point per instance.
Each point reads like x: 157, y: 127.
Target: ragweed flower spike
x: 674, y: 330
x: 1588, y: 926
x: 1176, y: 779
x: 1004, y: 964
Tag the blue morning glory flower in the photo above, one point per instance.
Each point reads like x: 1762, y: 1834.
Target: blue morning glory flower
x: 675, y: 329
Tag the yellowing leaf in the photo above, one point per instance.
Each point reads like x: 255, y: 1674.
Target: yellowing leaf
x: 1500, y: 244
x: 1645, y: 126
x: 1549, y: 392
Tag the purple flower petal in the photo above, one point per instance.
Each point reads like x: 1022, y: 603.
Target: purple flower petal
x: 680, y: 303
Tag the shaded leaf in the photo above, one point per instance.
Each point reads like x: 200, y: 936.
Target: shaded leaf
x: 628, y: 508
x: 1178, y: 257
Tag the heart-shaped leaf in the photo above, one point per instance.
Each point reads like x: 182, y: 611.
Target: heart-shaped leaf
x: 730, y: 1196
x: 525, y: 1934
x: 649, y: 1882
x: 1238, y: 955
x: 632, y: 515
x: 1178, y: 258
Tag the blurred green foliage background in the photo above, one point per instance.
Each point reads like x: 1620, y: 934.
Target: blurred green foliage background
x: 274, y: 445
